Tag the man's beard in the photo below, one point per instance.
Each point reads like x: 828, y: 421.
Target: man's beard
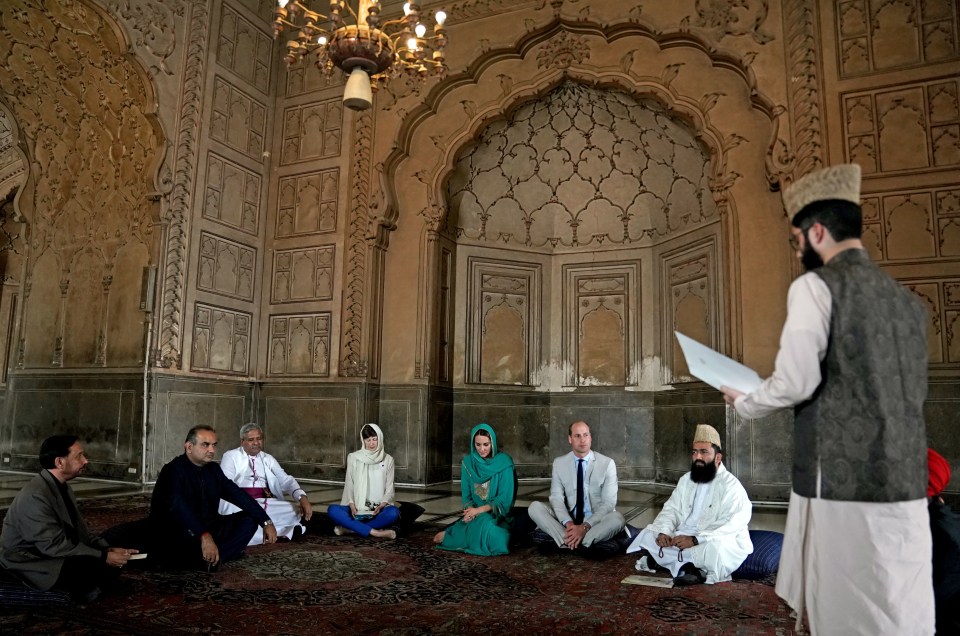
x: 702, y: 472
x: 809, y: 257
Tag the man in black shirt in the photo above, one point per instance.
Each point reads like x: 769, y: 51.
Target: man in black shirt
x: 189, y: 530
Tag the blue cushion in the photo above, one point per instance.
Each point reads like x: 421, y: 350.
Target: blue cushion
x: 765, y: 559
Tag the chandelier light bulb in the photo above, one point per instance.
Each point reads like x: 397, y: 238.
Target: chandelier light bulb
x: 282, y: 3
x: 322, y: 40
x: 420, y: 30
x: 441, y: 17
x: 412, y: 44
x: 406, y: 8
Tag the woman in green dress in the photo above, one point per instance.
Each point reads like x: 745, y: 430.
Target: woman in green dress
x: 488, y: 486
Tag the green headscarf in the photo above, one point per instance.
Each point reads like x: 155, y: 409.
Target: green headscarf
x: 498, y: 466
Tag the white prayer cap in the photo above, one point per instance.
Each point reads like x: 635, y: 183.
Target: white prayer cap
x: 708, y: 434
x: 837, y: 182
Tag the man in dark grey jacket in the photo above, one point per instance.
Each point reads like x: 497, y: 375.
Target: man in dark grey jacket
x: 45, y: 541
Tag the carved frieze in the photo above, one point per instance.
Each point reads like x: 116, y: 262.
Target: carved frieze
x: 909, y: 128
x: 691, y: 297
x: 186, y: 156
x: 226, y: 267
x: 305, y: 77
x: 582, y: 167
x: 232, y: 195
x: 879, y: 35
x: 92, y: 148
x: 153, y: 26
x: 601, y: 322
x: 308, y: 203
x: 245, y: 49
x: 724, y: 18
x: 262, y: 8
x: 312, y: 131
x: 300, y: 345
x: 221, y: 340
x: 237, y: 120
x: 938, y: 338
x: 303, y: 274
x: 503, y: 323
x: 353, y: 359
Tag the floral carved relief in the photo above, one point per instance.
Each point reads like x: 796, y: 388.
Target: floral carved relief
x: 581, y: 167
x: 877, y: 35
x: 300, y: 345
x: 312, y: 131
x: 221, y: 340
x: 742, y: 17
x: 245, y: 49
x: 226, y: 267
x: 914, y: 127
x: 232, y: 195
x: 303, y: 274
x: 83, y: 107
x: 153, y: 25
x: 308, y: 203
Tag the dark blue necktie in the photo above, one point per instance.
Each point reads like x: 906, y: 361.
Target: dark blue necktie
x: 578, y: 517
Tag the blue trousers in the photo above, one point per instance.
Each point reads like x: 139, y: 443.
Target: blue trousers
x: 340, y: 515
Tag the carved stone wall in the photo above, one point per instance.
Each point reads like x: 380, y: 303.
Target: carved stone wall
x: 587, y: 178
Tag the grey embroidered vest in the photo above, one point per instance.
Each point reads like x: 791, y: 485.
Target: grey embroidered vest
x: 865, y: 421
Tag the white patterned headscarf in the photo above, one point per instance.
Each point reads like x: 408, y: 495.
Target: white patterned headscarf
x: 360, y: 462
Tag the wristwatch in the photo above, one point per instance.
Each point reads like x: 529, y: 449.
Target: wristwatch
x: 268, y: 522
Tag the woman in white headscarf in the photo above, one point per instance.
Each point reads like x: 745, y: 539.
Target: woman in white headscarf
x: 366, y: 507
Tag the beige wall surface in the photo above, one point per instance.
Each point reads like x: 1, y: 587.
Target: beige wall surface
x: 194, y: 232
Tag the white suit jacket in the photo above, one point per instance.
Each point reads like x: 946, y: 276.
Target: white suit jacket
x: 600, y: 485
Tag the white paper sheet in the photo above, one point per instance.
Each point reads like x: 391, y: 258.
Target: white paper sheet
x: 715, y: 368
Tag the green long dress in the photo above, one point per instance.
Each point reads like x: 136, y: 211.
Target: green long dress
x: 484, y: 482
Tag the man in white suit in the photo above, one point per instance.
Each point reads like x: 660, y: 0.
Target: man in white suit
x: 701, y: 534
x: 583, y: 495
x: 261, y: 477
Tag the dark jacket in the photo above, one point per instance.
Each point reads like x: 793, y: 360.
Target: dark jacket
x: 186, y: 499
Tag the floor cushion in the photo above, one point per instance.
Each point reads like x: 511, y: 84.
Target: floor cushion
x: 765, y: 559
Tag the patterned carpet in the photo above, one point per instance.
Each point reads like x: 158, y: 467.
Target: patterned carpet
x: 329, y: 584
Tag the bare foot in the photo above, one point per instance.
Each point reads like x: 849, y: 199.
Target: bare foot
x: 384, y: 534
x: 438, y: 538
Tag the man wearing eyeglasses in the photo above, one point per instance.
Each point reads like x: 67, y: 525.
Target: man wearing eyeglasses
x: 260, y: 476
x: 856, y: 557
x: 701, y: 535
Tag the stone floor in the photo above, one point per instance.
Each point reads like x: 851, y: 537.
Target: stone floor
x: 639, y: 503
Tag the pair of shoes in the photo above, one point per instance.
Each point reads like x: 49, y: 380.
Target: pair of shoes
x: 339, y: 531
x: 689, y: 575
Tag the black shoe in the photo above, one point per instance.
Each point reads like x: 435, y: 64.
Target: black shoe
x: 689, y: 575
x: 297, y: 533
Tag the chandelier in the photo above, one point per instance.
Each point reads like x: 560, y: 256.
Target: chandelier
x: 368, y: 49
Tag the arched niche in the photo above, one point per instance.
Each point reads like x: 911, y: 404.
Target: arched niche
x: 713, y: 92
x: 86, y: 108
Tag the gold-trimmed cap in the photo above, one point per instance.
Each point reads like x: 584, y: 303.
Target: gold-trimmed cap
x: 708, y: 434
x: 836, y: 182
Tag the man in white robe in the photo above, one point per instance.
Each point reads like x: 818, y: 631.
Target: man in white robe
x: 701, y: 534
x: 261, y: 477
x: 856, y: 556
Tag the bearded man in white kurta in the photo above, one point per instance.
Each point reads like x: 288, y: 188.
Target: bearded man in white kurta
x: 261, y: 477
x: 857, y: 555
x: 701, y: 534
